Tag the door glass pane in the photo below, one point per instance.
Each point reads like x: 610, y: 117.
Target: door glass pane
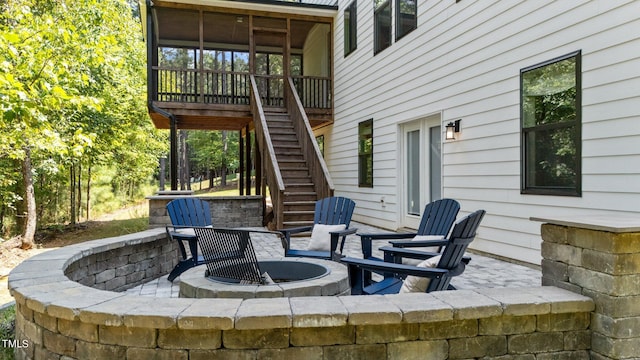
x: 413, y: 172
x: 435, y: 163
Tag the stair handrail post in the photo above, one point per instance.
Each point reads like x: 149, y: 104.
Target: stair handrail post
x: 315, y: 161
x: 274, y: 176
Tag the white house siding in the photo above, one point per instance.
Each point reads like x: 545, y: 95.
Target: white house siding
x: 463, y: 61
x: 316, y: 51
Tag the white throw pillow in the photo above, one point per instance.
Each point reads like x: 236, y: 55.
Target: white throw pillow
x: 320, y: 237
x: 417, y: 283
x: 415, y: 262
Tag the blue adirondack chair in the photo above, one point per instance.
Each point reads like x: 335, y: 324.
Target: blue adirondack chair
x: 328, y: 211
x: 437, y: 218
x: 449, y: 265
x: 185, y: 213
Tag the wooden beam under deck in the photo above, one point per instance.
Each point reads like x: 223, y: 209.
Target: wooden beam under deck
x: 221, y: 117
x: 203, y: 117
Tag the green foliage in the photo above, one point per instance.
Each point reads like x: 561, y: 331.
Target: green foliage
x: 72, y: 90
x: 213, y: 150
x: 7, y: 330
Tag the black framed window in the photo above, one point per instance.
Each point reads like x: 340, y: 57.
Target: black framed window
x: 406, y: 17
x: 381, y: 25
x: 550, y: 113
x: 365, y: 153
x: 320, y: 141
x: 350, y: 28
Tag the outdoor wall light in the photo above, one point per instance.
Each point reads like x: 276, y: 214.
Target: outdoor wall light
x: 452, y: 129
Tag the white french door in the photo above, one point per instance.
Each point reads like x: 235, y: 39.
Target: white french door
x: 421, y: 180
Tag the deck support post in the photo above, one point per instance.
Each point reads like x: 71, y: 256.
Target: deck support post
x: 241, y: 169
x: 173, y: 139
x: 247, y: 153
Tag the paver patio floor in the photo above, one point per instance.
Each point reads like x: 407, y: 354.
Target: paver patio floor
x: 482, y: 271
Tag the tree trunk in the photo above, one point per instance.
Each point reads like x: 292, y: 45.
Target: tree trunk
x: 79, y: 206
x: 223, y: 172
x: 88, y: 193
x: 29, y: 230
x: 72, y: 178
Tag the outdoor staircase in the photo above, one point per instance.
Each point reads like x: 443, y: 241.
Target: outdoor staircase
x: 300, y: 195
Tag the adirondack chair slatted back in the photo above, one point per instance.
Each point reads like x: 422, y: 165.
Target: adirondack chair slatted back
x: 334, y: 211
x: 189, y: 211
x: 438, y: 217
x: 229, y: 254
x: 461, y: 236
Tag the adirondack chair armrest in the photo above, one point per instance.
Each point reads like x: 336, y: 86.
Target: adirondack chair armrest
x: 419, y: 243
x: 397, y: 253
x: 355, y: 264
x: 387, y: 236
x: 344, y: 232
x: 366, y: 240
x: 287, y: 232
x: 394, y: 254
x: 286, y: 235
x: 336, y: 235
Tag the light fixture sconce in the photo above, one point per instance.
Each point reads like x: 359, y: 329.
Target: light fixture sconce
x: 453, y: 128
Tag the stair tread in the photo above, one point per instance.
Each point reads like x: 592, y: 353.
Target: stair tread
x: 287, y: 145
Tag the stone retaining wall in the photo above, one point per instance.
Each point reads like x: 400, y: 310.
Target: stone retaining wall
x: 121, y: 268
x: 62, y: 319
x: 226, y: 211
x: 599, y: 257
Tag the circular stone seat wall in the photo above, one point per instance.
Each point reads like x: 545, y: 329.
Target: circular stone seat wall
x: 62, y: 312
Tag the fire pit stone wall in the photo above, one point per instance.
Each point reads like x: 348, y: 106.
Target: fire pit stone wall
x: 62, y: 317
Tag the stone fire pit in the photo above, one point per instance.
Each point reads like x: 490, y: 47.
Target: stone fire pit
x: 293, y: 277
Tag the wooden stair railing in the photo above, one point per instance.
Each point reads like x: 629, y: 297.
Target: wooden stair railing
x: 310, y: 150
x: 270, y: 163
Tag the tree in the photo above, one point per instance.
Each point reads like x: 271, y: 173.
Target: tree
x: 214, y: 152
x: 71, y: 95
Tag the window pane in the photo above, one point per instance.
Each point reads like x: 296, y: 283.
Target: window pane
x: 552, y: 161
x: 240, y: 61
x: 413, y: 172
x: 320, y: 141
x: 382, y: 25
x: 549, y: 94
x: 180, y: 58
x: 365, y: 153
x: 296, y: 65
x: 350, y: 28
x: 406, y: 17
x: 435, y: 163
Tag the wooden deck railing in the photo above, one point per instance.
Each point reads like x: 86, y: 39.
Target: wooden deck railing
x: 270, y: 163
x: 313, y: 91
x: 233, y: 88
x: 315, y: 162
x: 202, y: 86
